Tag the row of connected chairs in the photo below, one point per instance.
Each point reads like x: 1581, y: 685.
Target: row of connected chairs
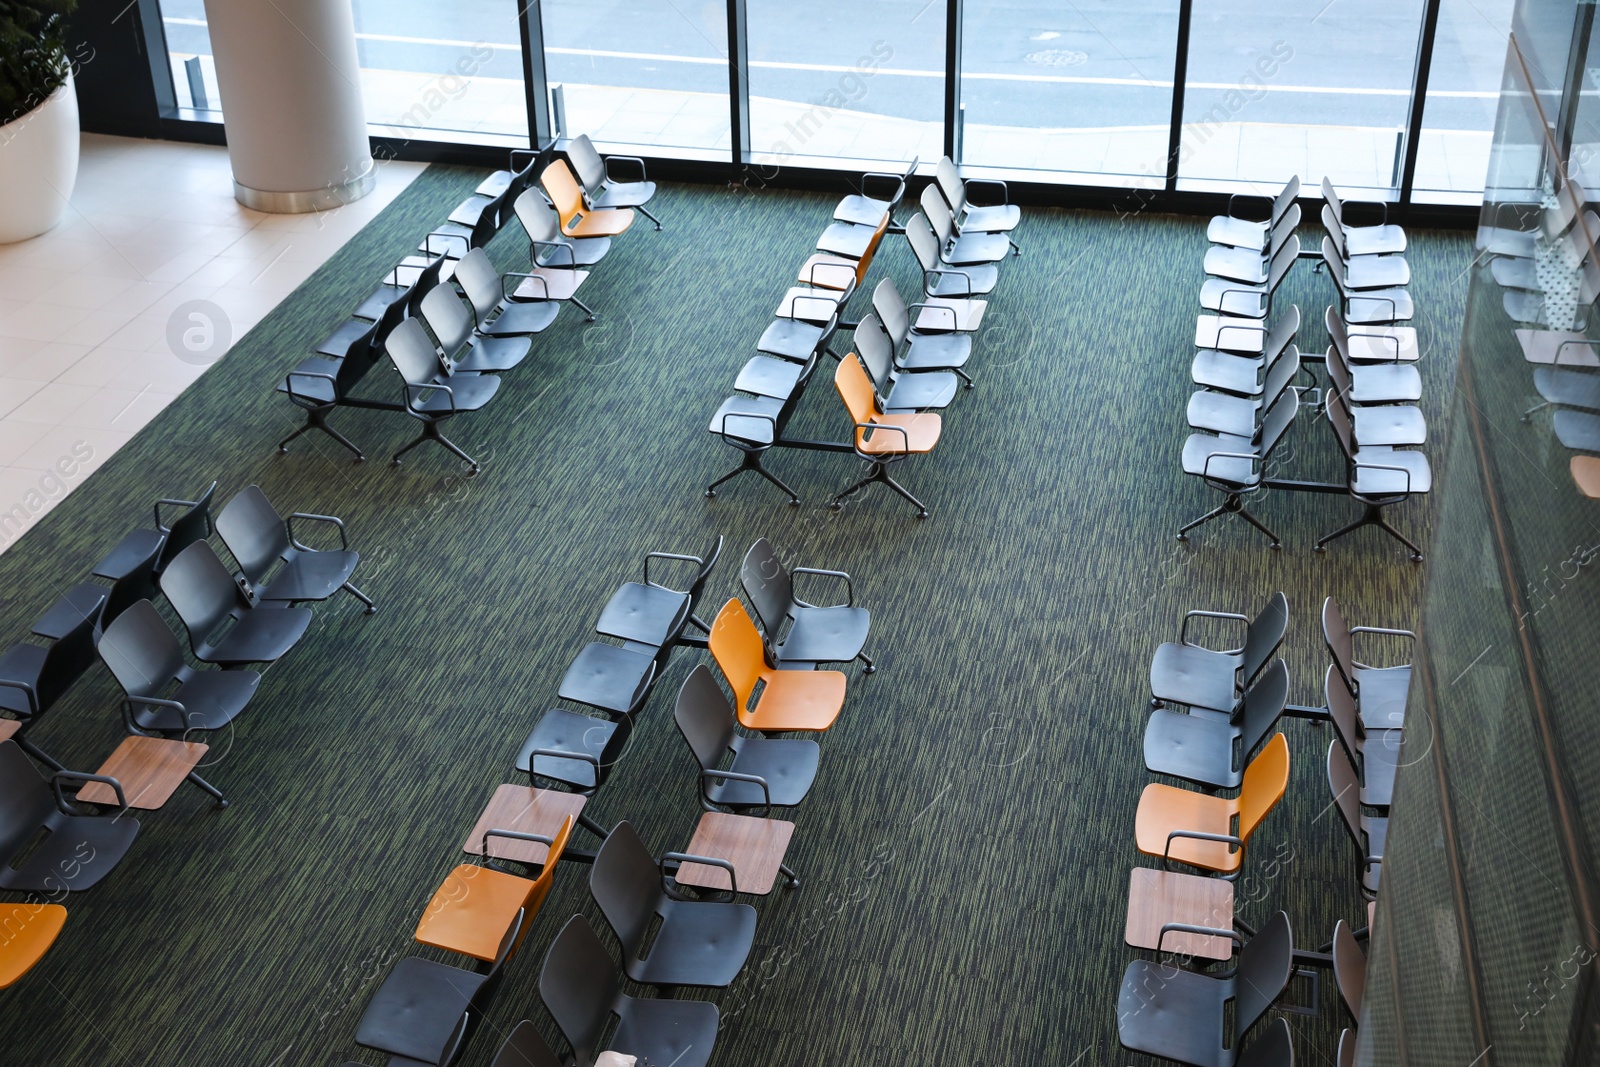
x: 168, y: 704
x: 668, y: 933
x: 908, y: 360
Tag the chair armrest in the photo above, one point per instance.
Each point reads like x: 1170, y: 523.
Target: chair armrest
x: 556, y: 753
x: 1384, y: 467
x: 572, y: 257
x: 1252, y: 327
x: 768, y: 419
x: 77, y: 776
x: 1249, y: 196
x: 1199, y: 835
x: 1391, y: 338
x: 947, y: 270
x: 832, y: 306
x: 511, y: 160
x: 1563, y: 346
x: 955, y: 323
x: 543, y: 284
x: 449, y: 392
x: 1205, y: 469
x: 1005, y: 190
x: 905, y: 444
x: 1349, y: 298
x: 849, y: 585
x: 344, y: 540
x: 1191, y: 928
x: 732, y: 776
x: 1183, y: 630
x: 27, y: 691
x: 288, y: 381
x: 158, y: 702
x: 899, y: 183
x: 648, y: 556
x: 1407, y: 634
x: 684, y: 857
x: 445, y: 235
x: 635, y: 160
x: 166, y: 502
x: 514, y: 835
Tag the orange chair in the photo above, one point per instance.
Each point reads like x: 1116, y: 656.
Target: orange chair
x: 576, y: 219
x: 881, y: 439
x: 1207, y: 831
x: 471, y: 912
x: 26, y: 933
x: 1586, y: 473
x: 792, y: 700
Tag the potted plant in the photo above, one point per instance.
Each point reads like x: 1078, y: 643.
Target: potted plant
x: 38, y: 117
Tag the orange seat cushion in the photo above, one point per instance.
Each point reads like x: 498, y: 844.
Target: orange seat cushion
x: 1163, y: 809
x: 797, y: 700
x: 921, y: 434
x: 26, y: 933
x: 472, y: 911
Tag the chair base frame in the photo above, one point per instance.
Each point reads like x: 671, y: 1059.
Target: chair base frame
x: 1372, y: 516
x: 1232, y: 504
x: 880, y: 473
x: 318, y: 420
x: 752, y: 462
x: 431, y: 432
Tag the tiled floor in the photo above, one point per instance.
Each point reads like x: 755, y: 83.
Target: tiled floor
x: 95, y: 334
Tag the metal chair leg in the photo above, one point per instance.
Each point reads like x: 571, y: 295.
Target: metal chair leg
x: 222, y: 801
x: 1232, y: 504
x: 646, y: 213
x: 964, y: 377
x: 864, y: 658
x: 1372, y: 516
x: 794, y: 879
x: 318, y: 420
x: 359, y: 595
x: 752, y: 462
x: 1537, y: 407
x: 586, y: 308
x: 431, y: 432
x: 37, y: 753
x: 880, y: 473
x: 1016, y: 249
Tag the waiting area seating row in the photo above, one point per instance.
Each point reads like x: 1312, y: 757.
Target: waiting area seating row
x: 675, y: 919
x: 1252, y: 379
x: 1226, y: 737
x: 449, y: 323
x: 234, y: 617
x: 907, y: 360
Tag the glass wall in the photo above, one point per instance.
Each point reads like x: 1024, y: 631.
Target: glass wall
x: 1276, y: 89
x: 194, y: 75
x: 1469, y: 58
x: 640, y: 73
x: 1083, y: 88
x: 843, y: 79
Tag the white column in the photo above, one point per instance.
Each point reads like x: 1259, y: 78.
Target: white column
x: 291, y: 102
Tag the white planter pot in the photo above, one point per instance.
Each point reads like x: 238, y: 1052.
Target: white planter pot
x: 38, y: 166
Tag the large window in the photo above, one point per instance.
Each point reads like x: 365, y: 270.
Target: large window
x: 650, y: 74
x: 1069, y: 87
x: 194, y: 75
x: 846, y: 79
x: 1315, y: 89
x: 1469, y: 56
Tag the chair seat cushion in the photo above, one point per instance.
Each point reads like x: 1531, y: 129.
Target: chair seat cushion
x: 1173, y: 1013
x: 30, y: 931
x: 825, y: 635
x: 339, y: 341
x: 937, y: 351
x: 549, y: 283
x: 1375, y: 476
x: 1228, y: 467
x: 1193, y: 676
x: 797, y: 700
x: 860, y: 210
x: 847, y: 239
x: 974, y: 248
x: 1223, y: 413
x: 20, y: 663
x: 769, y: 376
x: 979, y: 278
x: 416, y: 1010
x: 135, y: 548
x: 565, y: 731
x: 699, y: 943
x: 1380, y: 758
x: 917, y: 392
x: 1380, y: 306
x: 749, y: 422
x: 1164, y: 808
x: 607, y: 677
x: 1383, y: 696
x: 1237, y: 233
x: 59, y: 860
x: 471, y: 392
x: 523, y: 318
x: 1238, y: 264
x: 212, y: 699
x: 625, y: 194
x: 312, y: 576
x: 492, y: 355
x: 911, y: 433
x: 300, y: 384
x: 1376, y: 272
x: 1191, y: 747
x: 648, y: 614
x: 1240, y: 375
x: 1389, y: 424
x: 790, y: 339
x: 789, y: 766
x: 675, y: 1032
x: 996, y: 218
x: 1385, y: 383
x: 259, y: 636
x: 1234, y: 298
x: 1374, y: 240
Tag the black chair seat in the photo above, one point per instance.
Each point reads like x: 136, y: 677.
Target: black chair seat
x: 1173, y: 1013
x: 915, y: 392
x: 700, y: 943
x: 1383, y: 696
x: 790, y: 339
x: 860, y: 210
x: 995, y: 218
x: 677, y: 1032
x: 20, y: 663
x: 981, y: 278
x: 1191, y: 747
x: 59, y: 860
x: 825, y: 635
x: 625, y: 194
x: 339, y: 341
x: 847, y: 240
x: 259, y: 636
x: 417, y: 1010
x: 648, y: 614
x: 1380, y: 757
x: 373, y: 307
x: 134, y: 550
x: 212, y: 698
x: 586, y: 252
x: 470, y: 210
x: 493, y: 354
x: 312, y: 576
x: 523, y: 317
x: 977, y: 248
x: 1193, y: 676
x: 471, y: 393
x: 609, y: 678
x: 789, y: 766
x: 749, y: 422
x: 304, y: 388
x: 766, y: 376
x: 566, y: 731
x: 937, y: 350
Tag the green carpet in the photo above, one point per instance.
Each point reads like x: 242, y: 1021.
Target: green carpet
x: 965, y: 852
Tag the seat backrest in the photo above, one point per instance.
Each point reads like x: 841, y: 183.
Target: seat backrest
x: 140, y: 651
x: 1274, y: 1048
x: 1280, y: 204
x: 1334, y: 263
x: 1333, y: 201
x: 1338, y: 373
x: 547, y: 876
x: 698, y: 587
x: 1279, y: 417
x: 1346, y: 790
x: 1282, y: 260
x: 736, y: 646
x: 1349, y: 968
x: 450, y: 319
x: 412, y: 353
x: 253, y: 531
x: 539, y: 220
x: 1341, y: 646
x: 1265, y: 963
x: 1264, y: 634
x: 69, y: 655
x: 579, y: 984
x: 479, y: 280
x: 1346, y: 1056
x: 1335, y: 232
x: 924, y: 243
x: 766, y: 582
x: 938, y: 213
x: 1263, y: 705
x: 892, y: 311
x: 563, y: 190
x: 25, y: 801
x: 1588, y: 282
x: 704, y: 717
x: 1343, y: 432
x: 193, y: 525
x: 358, y: 360
x: 1283, y: 230
x: 1282, y: 333
x: 865, y: 261
x: 876, y: 351
x: 1279, y: 375
x: 525, y: 1048
x: 586, y: 161
x: 1265, y: 779
x: 950, y: 184
x: 200, y: 590
x: 626, y: 883
x: 855, y: 389
x: 427, y: 281
x: 139, y: 583
x: 388, y: 319
x: 1341, y: 709
x: 1570, y: 199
